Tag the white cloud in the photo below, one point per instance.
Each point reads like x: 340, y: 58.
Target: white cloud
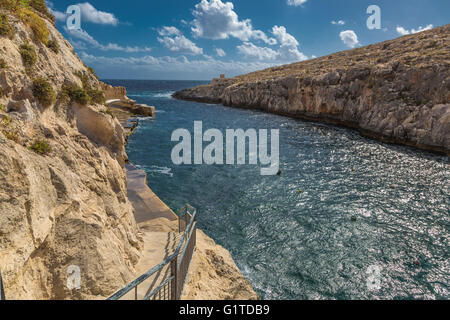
x: 78, y: 45
x: 116, y: 47
x: 428, y: 27
x: 169, y: 31
x: 59, y: 16
x: 287, y: 52
x: 296, y: 3
x: 220, y: 52
x: 402, y: 31
x: 340, y: 22
x: 349, y: 38
x: 203, y: 68
x: 83, y: 35
x: 90, y: 14
x: 260, y: 53
x: 88, y: 39
x: 217, y: 20
x: 285, y: 38
x: 175, y: 41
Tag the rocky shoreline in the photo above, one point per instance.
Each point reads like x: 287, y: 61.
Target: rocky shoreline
x: 397, y: 91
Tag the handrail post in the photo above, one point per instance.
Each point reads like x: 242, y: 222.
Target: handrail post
x: 180, y: 212
x: 2, y: 292
x: 174, y: 274
x: 178, y: 262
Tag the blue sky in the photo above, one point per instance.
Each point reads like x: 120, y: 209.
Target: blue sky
x: 200, y: 39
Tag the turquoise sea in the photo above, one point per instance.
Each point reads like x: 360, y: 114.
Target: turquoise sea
x: 366, y: 206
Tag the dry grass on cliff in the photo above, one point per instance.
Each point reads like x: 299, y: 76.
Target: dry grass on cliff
x: 31, y: 12
x: 29, y: 56
x: 63, y: 166
x: 43, y: 91
x: 422, y: 49
x: 5, y: 27
x: 36, y: 24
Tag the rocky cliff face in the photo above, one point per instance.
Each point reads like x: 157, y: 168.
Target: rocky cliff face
x: 114, y: 92
x: 397, y: 91
x: 213, y: 274
x: 62, y: 180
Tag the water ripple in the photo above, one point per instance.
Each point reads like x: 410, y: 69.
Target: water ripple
x: 364, y: 203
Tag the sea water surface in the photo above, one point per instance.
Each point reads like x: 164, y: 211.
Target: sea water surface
x: 293, y: 245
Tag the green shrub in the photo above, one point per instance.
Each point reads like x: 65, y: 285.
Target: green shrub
x: 44, y: 92
x: 76, y: 94
x: 5, y: 27
x: 41, y: 7
x: 41, y: 147
x: 62, y: 98
x: 108, y: 112
x: 36, y: 23
x: 8, y: 130
x: 2, y: 107
x: 28, y: 54
x: 84, y: 79
x: 7, y: 121
x: 92, y: 71
x: 80, y: 96
x: 97, y: 96
x: 53, y: 45
x: 11, y: 135
x: 13, y: 5
x: 38, y: 6
x: 2, y: 63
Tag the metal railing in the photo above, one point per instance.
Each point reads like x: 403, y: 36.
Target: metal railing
x: 175, y: 267
x: 184, y: 217
x: 2, y: 291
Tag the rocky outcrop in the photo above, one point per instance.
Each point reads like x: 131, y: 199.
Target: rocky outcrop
x: 63, y: 195
x: 116, y: 97
x: 213, y: 274
x: 111, y: 92
x: 132, y: 108
x: 397, y: 91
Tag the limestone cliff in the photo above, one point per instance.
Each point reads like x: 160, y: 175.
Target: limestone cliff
x: 397, y: 91
x: 213, y: 274
x: 63, y: 197
x: 113, y: 93
x: 63, y: 184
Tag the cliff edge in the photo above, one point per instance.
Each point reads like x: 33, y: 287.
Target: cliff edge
x: 397, y: 91
x: 67, y: 226
x: 63, y: 194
